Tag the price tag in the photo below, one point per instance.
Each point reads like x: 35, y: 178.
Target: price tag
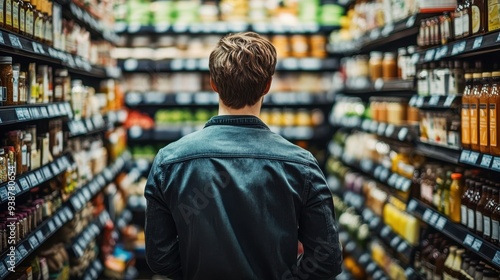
x: 24, y: 184
x: 386, y: 230
x: 420, y: 101
x: 403, y: 132
x: 162, y: 27
x: 469, y: 239
x: 434, y: 219
x: 381, y: 129
x: 14, y: 41
x: 386, y: 31
x: 75, y: 203
x: 3, y: 194
x: 486, y: 161
x: 33, y: 241
x: 20, y: 114
x: 290, y: 64
x: 412, y: 205
x: 384, y: 174
x: 51, y: 226
x: 477, y: 42
x: 496, y: 164
x: 411, y: 21
x: 310, y: 64
x: 86, y: 194
x: 58, y: 221
x: 458, y: 48
x: 392, y: 179
x: 78, y: 250
x: 371, y: 268
x: 33, y: 179
x: 402, y: 247
x: 441, y: 223
x: 399, y: 182
x: 131, y: 64
x: 40, y: 236
x: 464, y: 156
x: 3, y: 270
x: 69, y: 213
x: 22, y: 250
x: 406, y: 185
x: 373, y: 126
x: 47, y: 172
x: 427, y: 215
x: 377, y: 171
x: 429, y: 55
x: 177, y: 64
x: 365, y: 125
x: 395, y: 241
x: 496, y: 258
x: 449, y: 101
x: 477, y: 244
x: 374, y: 34
x: 389, y: 131
x: 434, y: 100
x: 374, y: 223
x: 473, y: 157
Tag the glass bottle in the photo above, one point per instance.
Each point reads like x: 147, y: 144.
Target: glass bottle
x: 488, y: 213
x: 478, y: 16
x: 15, y: 16
x: 465, y: 202
x: 456, y: 82
x: 38, y: 18
x: 458, y: 19
x: 474, y: 111
x: 466, y: 111
x: 495, y: 221
x: 445, y: 195
x: 8, y: 15
x: 448, y: 264
x: 466, y: 19
x: 494, y: 105
x: 29, y: 21
x: 484, y: 145
x: 457, y: 263
x: 481, y: 198
x: 23, y: 95
x: 471, y: 207
x: 455, y: 197
x: 48, y: 25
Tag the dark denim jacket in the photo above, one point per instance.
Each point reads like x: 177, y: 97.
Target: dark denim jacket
x: 231, y: 201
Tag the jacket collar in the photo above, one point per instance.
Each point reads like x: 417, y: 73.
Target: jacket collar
x: 237, y: 120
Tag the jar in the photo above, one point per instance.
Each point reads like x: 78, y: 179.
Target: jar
x: 26, y: 151
x: 29, y: 21
x: 3, y: 166
x: 23, y: 93
x: 389, y: 66
x: 14, y: 139
x: 402, y: 56
x: 396, y: 112
x: 299, y: 45
x: 375, y: 65
x: 281, y: 44
x: 413, y: 115
x: 15, y: 83
x: 318, y: 46
x: 6, y: 77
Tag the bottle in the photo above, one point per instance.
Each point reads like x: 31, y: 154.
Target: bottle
x: 466, y: 111
x: 474, y: 111
x: 49, y: 40
x: 375, y: 65
x: 423, y: 81
x: 8, y: 15
x: 448, y: 264
x: 488, y: 213
x: 471, y: 207
x: 389, y: 66
x: 77, y: 98
x: 481, y: 198
x: 445, y: 27
x: 494, y: 105
x: 455, y: 197
x: 478, y: 17
x: 402, y: 57
x: 29, y: 21
x: 38, y: 18
x: 456, y: 82
x: 458, y: 19
x: 484, y: 129
x: 16, y: 69
x: 438, y: 190
x: 466, y: 19
x: 495, y: 221
x: 465, y: 202
x: 22, y: 17
x: 457, y: 263
x: 445, y: 195
x: 15, y: 16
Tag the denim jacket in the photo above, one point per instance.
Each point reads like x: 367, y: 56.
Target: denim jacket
x: 232, y: 200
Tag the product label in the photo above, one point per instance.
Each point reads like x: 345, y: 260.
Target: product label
x: 29, y: 23
x: 458, y: 21
x: 473, y: 124
x: 426, y: 192
x: 15, y: 86
x: 470, y: 219
x: 494, y: 229
x: 476, y: 19
x: 465, y: 124
x: 486, y: 226
x: 15, y: 15
x: 493, y: 125
x: 465, y: 24
x: 493, y: 16
x: 58, y: 92
x: 22, y: 20
x: 22, y: 94
x: 463, y: 215
x: 479, y: 221
x: 8, y: 12
x: 483, y: 124
x: 1, y: 9
x: 48, y: 31
x: 38, y: 25
x: 24, y: 150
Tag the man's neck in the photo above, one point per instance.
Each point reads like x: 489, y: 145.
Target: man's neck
x: 247, y: 110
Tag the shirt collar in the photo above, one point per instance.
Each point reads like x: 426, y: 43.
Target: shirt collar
x: 237, y: 120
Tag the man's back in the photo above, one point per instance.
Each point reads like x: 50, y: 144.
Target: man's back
x: 239, y: 197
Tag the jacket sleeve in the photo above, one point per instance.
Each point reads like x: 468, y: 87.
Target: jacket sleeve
x: 162, y: 245
x: 318, y: 232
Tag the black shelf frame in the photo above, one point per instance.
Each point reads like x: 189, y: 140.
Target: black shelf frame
x: 441, y: 153
x: 456, y: 232
x: 92, y: 125
x: 33, y: 112
x: 440, y: 102
x: 94, y: 270
x: 477, y: 159
x: 91, y: 231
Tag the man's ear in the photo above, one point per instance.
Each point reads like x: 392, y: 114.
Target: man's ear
x: 268, y: 86
x: 212, y: 84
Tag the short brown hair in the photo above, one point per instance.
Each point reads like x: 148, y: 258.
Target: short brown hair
x: 240, y: 67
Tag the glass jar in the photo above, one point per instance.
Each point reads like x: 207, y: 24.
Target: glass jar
x: 23, y: 93
x: 389, y: 66
x: 6, y: 77
x: 375, y: 65
x: 14, y: 139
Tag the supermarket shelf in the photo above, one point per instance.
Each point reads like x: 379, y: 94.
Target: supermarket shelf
x: 481, y: 160
x: 201, y: 64
x: 137, y: 99
x: 116, y: 117
x: 93, y: 271
x: 438, y: 152
x: 379, y: 38
x: 82, y: 241
x: 399, y: 133
x: 34, y: 178
x: 456, y: 232
x: 362, y: 257
x: 85, y: 19
x: 18, y: 45
x: 86, y: 126
x: 222, y: 28
x: 64, y: 214
x: 380, y: 87
x: 435, y: 101
x: 488, y: 42
x: 32, y: 112
x: 176, y: 131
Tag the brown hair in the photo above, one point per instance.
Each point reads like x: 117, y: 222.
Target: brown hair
x: 240, y: 67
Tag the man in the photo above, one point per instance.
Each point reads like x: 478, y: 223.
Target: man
x: 232, y: 200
